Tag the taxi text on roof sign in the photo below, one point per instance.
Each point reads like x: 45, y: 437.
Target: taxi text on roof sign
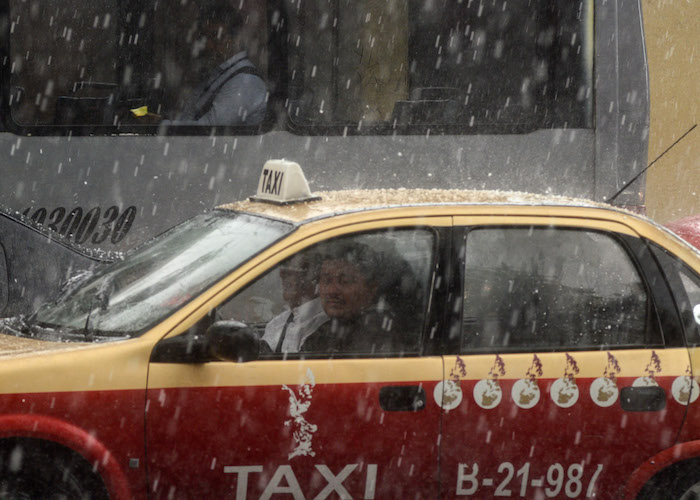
x: 282, y: 182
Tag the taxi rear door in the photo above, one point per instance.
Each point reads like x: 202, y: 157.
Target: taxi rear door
x: 569, y: 369
x: 318, y: 425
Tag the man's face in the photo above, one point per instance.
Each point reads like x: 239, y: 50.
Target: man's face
x: 345, y: 291
x: 217, y: 39
x: 297, y: 286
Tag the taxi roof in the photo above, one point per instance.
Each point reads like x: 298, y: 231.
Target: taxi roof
x: 347, y: 201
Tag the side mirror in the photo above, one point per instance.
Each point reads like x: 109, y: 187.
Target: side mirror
x: 233, y: 341
x: 224, y: 340
x: 182, y: 349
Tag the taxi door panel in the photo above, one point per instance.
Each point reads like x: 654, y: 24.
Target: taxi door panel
x: 309, y: 429
x: 571, y: 367
x: 355, y: 418
x: 555, y: 436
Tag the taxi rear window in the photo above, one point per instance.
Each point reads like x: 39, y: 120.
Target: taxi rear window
x: 540, y: 288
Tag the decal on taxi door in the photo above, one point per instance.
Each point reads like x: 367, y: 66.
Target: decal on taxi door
x: 526, y: 391
x: 448, y: 394
x: 299, y: 403
x: 563, y: 391
x: 604, y: 391
x: 487, y: 392
x: 685, y: 388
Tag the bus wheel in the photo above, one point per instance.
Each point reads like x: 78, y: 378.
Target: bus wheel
x: 31, y: 468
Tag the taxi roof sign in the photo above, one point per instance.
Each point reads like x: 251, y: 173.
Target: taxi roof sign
x: 283, y: 182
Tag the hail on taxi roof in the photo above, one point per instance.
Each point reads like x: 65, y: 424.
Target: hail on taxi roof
x: 333, y: 202
x: 283, y: 192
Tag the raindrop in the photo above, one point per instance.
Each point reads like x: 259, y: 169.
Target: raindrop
x: 16, y: 459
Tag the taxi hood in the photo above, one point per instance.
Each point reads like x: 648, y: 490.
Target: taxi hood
x: 12, y: 346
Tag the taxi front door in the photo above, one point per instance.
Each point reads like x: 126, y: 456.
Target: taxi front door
x: 328, y: 426
x: 571, y: 372
x: 304, y: 429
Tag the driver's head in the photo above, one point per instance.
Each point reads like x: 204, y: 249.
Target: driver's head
x: 347, y: 283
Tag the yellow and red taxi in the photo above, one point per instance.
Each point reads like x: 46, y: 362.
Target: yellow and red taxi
x: 522, y: 346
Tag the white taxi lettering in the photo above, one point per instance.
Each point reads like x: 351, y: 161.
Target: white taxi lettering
x: 371, y: 482
x: 274, y: 486
x: 558, y: 479
x: 335, y: 483
x: 466, y: 482
x: 284, y: 481
x: 242, y: 471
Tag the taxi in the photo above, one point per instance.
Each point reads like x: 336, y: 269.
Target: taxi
x: 366, y: 344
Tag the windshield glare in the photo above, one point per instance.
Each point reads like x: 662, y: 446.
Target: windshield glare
x: 132, y: 295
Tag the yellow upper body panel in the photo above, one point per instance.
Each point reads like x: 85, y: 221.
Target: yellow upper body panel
x: 337, y: 208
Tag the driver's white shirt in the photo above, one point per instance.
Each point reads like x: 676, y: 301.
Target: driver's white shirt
x: 307, y: 318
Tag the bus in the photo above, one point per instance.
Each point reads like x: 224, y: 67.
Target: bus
x: 545, y: 96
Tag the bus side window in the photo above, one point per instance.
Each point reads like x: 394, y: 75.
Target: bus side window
x: 53, y: 47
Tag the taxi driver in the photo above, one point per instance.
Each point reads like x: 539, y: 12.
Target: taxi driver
x: 346, y: 290
x: 360, y: 320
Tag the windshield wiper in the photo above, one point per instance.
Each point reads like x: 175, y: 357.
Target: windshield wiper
x: 20, y: 327
x: 17, y: 325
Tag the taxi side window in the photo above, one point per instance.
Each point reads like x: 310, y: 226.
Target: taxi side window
x: 353, y: 296
x: 544, y: 288
x: 686, y: 286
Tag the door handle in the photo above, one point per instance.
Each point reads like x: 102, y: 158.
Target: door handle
x: 402, y: 398
x: 643, y: 398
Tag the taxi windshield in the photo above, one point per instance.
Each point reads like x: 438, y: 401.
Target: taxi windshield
x: 128, y: 297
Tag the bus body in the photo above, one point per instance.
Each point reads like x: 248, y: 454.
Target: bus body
x: 542, y: 96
